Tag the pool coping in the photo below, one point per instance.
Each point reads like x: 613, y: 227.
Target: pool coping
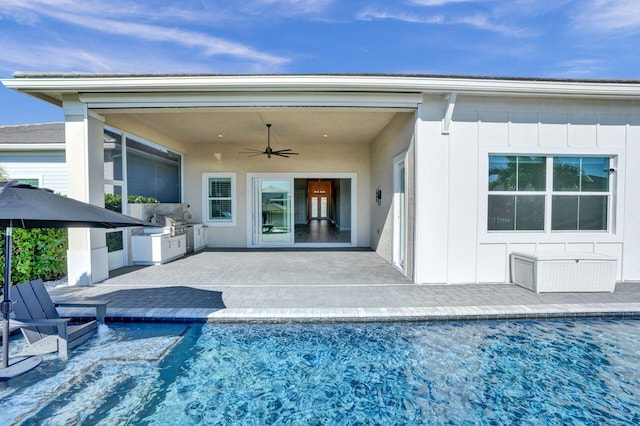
x: 341, y: 315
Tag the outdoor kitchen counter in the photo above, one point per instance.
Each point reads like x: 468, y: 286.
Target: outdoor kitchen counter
x: 158, y: 248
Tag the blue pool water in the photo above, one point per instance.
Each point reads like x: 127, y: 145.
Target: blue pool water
x: 583, y: 371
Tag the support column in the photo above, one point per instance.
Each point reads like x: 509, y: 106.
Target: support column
x: 87, y: 257
x: 431, y: 194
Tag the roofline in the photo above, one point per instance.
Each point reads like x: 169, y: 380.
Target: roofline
x: 57, y: 146
x: 48, y: 123
x: 51, y: 86
x: 35, y: 74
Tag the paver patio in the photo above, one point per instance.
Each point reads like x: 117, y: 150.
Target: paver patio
x: 312, y: 285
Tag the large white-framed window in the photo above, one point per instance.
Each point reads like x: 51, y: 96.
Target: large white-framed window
x: 550, y: 193
x: 219, y: 199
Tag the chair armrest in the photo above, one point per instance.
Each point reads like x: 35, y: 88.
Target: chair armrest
x: 39, y: 322
x: 100, y: 305
x: 59, y: 323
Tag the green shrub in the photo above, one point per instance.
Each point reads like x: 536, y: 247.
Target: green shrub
x: 114, y: 202
x: 42, y: 253
x: 36, y: 253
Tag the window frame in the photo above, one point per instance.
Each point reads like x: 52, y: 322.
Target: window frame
x: 516, y: 192
x: 614, y: 198
x: 579, y: 193
x: 26, y: 179
x: 206, y: 198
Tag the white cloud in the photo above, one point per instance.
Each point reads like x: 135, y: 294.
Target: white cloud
x: 90, y: 15
x: 210, y: 45
x: 371, y: 14
x: 478, y: 21
x: 609, y: 16
x: 579, y: 68
x: 45, y: 57
x: 291, y: 7
x: 485, y: 22
x: 439, y: 2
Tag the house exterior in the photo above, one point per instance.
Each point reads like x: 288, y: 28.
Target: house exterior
x: 35, y: 154
x: 444, y: 177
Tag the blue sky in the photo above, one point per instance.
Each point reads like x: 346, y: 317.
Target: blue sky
x: 521, y: 38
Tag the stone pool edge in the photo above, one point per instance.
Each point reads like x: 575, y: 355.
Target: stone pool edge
x: 331, y: 315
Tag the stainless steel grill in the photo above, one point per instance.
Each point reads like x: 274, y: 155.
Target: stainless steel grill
x: 170, y: 224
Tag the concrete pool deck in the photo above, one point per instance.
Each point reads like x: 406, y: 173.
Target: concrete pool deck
x: 327, y: 285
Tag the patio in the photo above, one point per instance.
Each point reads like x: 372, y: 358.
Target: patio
x: 313, y: 285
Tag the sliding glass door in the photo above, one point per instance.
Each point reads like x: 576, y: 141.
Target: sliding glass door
x: 273, y: 212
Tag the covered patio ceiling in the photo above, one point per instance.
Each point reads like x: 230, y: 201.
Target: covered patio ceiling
x: 246, y: 126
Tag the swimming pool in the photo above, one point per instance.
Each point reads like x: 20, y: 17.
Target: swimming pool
x: 530, y: 372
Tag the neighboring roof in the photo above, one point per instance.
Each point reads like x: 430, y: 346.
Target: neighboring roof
x: 46, y: 133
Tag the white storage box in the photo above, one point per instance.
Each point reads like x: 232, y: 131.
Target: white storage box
x: 564, y: 272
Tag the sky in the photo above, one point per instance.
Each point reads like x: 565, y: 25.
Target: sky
x: 582, y: 39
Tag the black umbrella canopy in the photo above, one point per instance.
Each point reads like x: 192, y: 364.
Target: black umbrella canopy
x: 24, y: 206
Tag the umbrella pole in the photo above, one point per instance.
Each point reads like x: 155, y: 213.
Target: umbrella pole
x: 5, y: 306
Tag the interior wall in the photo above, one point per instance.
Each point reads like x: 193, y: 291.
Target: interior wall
x: 392, y: 141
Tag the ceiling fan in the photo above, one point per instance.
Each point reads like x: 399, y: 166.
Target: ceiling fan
x: 268, y: 151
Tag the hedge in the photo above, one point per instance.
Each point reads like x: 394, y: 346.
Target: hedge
x: 114, y: 202
x: 35, y: 253
x: 42, y: 253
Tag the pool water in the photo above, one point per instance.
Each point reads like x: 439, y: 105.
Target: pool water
x: 584, y: 371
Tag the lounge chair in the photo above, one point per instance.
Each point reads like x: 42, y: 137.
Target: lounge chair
x: 40, y: 323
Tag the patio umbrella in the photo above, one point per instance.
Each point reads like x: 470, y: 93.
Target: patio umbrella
x: 25, y: 206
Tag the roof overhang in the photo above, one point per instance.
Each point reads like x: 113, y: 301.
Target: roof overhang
x: 52, y: 87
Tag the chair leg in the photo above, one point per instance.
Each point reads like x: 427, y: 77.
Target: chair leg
x: 62, y: 342
x: 101, y: 313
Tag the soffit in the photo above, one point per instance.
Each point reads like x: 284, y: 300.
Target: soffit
x: 246, y: 126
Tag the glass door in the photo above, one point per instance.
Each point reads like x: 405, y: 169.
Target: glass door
x: 274, y: 211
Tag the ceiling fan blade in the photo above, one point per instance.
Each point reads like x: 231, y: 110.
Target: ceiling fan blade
x: 250, y: 150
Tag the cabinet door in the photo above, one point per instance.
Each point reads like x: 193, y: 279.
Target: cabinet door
x: 165, y: 251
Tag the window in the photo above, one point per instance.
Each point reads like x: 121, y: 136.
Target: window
x: 517, y: 199
x: 580, y: 194
x: 153, y: 171
x: 115, y: 241
x: 525, y: 190
x: 219, y: 198
x: 29, y: 181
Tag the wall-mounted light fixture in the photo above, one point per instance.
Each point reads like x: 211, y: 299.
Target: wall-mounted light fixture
x: 379, y: 196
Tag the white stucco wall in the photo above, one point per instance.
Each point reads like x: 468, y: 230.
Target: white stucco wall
x: 332, y: 157
x: 395, y: 139
x: 453, y: 244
